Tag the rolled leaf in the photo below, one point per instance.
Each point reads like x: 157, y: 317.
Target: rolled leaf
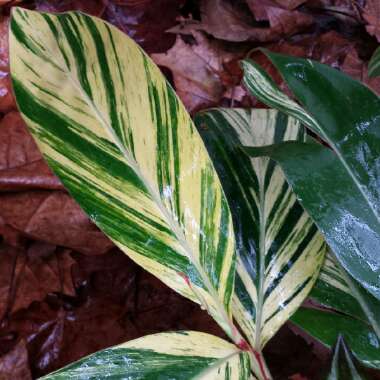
x: 345, y: 114
x: 280, y: 250
x: 344, y: 365
x: 122, y: 143
x: 374, y: 64
x: 180, y: 355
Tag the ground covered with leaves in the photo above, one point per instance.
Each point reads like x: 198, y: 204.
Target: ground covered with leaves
x: 65, y: 290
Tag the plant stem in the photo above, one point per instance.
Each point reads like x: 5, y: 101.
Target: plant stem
x: 257, y: 361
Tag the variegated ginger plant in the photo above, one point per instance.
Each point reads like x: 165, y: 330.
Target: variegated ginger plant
x: 113, y: 130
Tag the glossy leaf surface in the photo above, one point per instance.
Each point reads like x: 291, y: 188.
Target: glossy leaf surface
x: 346, y: 203
x: 326, y: 326
x: 113, y: 130
x: 336, y: 290
x: 181, y: 356
x: 280, y: 250
x: 374, y: 64
x: 344, y: 365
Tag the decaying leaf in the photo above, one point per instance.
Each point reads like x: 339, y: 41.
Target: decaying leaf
x: 54, y: 217
x: 358, y: 69
x: 198, y: 70
x: 21, y: 164
x: 6, y: 97
x: 146, y: 21
x: 29, y: 275
x: 371, y: 15
x: 242, y: 26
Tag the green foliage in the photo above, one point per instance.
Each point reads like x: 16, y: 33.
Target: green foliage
x: 122, y: 143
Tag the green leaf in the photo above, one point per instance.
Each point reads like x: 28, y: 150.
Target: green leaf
x: 335, y: 289
x: 374, y: 64
x: 280, y: 250
x: 338, y: 292
x: 344, y: 365
x: 345, y: 114
x: 115, y: 133
x: 181, y: 355
x: 326, y: 326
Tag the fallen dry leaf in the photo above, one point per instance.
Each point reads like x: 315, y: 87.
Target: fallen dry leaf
x: 7, y: 101
x: 117, y: 302
x: 93, y: 7
x: 146, y: 21
x: 21, y: 164
x: 371, y: 15
x: 11, y: 236
x: 216, y: 14
x: 199, y: 70
x: 53, y: 217
x: 15, y: 365
x: 259, y: 8
x: 358, y: 69
x: 30, y: 275
x: 283, y: 20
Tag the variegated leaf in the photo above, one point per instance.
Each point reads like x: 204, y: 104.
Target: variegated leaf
x: 181, y: 355
x: 280, y: 250
x: 342, y: 192
x: 113, y: 130
x: 348, y: 309
x: 337, y: 290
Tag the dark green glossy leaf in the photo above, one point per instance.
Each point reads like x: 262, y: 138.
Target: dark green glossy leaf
x: 320, y: 182
x: 346, y: 114
x: 326, y: 327
x: 344, y: 365
x: 337, y: 290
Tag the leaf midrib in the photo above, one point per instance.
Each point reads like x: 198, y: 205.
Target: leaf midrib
x: 260, y: 292
x: 217, y: 364
x: 234, y: 334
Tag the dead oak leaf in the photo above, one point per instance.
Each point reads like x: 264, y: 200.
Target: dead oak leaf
x: 21, y: 164
x: 53, y: 217
x: 198, y: 70
x: 227, y: 20
x: 30, y: 275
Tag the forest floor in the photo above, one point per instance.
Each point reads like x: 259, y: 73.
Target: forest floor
x: 65, y: 290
